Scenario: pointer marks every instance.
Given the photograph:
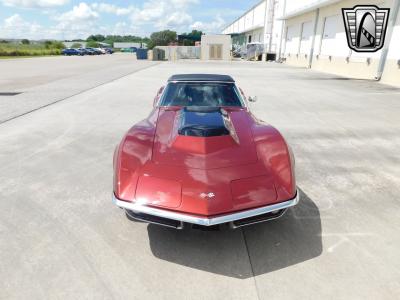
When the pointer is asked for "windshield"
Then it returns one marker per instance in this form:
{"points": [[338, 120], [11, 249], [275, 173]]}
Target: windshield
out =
{"points": [[201, 94]]}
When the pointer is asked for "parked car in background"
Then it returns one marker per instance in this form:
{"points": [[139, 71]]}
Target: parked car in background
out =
{"points": [[71, 51], [109, 50], [101, 50], [90, 51], [94, 51], [84, 51]]}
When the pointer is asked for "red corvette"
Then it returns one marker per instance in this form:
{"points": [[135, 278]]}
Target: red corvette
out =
{"points": [[202, 159]]}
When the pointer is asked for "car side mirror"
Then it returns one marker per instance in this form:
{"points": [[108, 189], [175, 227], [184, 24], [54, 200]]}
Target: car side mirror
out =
{"points": [[252, 99], [157, 97]]}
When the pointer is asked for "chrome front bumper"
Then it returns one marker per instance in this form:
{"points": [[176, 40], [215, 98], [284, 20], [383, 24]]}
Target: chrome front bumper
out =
{"points": [[204, 221]]}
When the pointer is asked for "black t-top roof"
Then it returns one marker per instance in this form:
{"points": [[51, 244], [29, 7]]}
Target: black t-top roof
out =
{"points": [[201, 77]]}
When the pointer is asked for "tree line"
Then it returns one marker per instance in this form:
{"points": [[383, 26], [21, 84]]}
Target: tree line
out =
{"points": [[159, 38]]}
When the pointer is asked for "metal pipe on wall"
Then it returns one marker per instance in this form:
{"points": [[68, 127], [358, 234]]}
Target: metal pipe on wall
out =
{"points": [[389, 33], [282, 31], [310, 59]]}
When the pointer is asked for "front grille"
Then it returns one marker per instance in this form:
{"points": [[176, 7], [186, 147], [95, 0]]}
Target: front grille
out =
{"points": [[206, 228], [179, 224]]}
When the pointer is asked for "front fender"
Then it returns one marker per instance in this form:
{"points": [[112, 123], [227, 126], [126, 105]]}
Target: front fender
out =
{"points": [[134, 151], [275, 154]]}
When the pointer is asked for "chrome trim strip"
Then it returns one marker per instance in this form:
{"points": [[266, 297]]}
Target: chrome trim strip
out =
{"points": [[140, 208], [202, 81], [233, 226]]}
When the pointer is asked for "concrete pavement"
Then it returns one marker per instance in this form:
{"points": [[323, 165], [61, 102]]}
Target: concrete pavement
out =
{"points": [[61, 237], [46, 80]]}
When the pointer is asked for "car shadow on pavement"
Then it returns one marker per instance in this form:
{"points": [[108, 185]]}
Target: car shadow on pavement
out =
{"points": [[246, 252]]}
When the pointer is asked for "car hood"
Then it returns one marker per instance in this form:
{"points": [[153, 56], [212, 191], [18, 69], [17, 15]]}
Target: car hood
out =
{"points": [[235, 147]]}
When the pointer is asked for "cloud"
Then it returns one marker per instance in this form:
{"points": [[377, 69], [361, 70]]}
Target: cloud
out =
{"points": [[153, 14], [84, 19], [79, 13], [79, 22], [175, 19], [123, 28], [17, 23], [212, 27], [16, 27], [183, 3], [112, 9], [35, 3], [164, 14], [13, 21]]}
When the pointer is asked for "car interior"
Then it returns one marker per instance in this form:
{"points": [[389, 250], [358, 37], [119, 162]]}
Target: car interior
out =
{"points": [[201, 94]]}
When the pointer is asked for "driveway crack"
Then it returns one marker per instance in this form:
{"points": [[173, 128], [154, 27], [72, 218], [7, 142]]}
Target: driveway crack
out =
{"points": [[251, 264]]}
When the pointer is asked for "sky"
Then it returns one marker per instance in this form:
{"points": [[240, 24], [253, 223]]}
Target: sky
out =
{"points": [[69, 19]]}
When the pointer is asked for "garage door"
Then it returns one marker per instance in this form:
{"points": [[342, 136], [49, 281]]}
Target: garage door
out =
{"points": [[306, 37], [329, 35], [292, 39]]}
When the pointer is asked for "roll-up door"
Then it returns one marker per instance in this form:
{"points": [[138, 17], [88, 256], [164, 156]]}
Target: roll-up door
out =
{"points": [[306, 38]]}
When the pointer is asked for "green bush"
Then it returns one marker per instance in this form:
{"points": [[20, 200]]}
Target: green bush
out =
{"points": [[54, 45], [47, 48]]}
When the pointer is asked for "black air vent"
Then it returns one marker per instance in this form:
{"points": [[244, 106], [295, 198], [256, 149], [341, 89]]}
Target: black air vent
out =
{"points": [[202, 122]]}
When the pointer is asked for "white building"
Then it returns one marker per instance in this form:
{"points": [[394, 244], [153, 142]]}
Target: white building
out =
{"points": [[127, 45], [216, 47], [315, 37], [259, 25], [312, 35], [391, 71], [70, 44]]}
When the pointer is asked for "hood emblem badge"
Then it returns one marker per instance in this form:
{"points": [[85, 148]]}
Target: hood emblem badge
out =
{"points": [[207, 195]]}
